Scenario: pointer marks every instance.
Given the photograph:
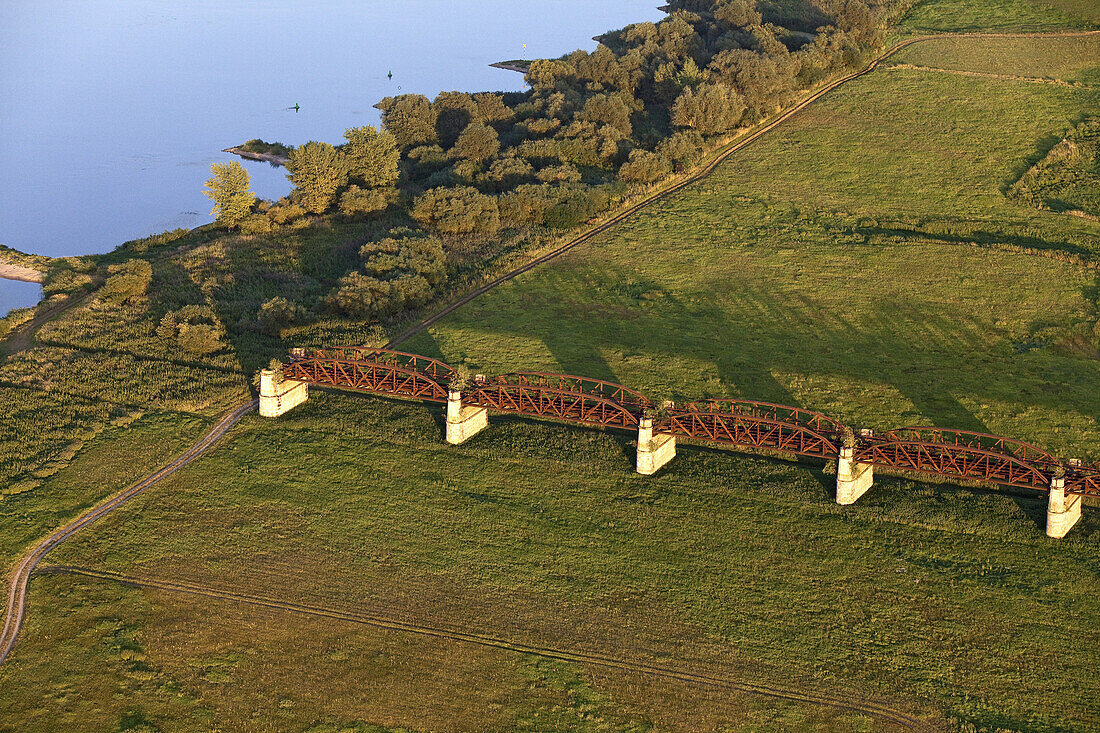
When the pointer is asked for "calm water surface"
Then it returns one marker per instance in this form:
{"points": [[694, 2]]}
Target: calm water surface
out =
{"points": [[112, 111]]}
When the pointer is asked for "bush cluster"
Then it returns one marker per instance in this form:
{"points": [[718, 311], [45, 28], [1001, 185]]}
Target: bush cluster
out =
{"points": [[401, 271]]}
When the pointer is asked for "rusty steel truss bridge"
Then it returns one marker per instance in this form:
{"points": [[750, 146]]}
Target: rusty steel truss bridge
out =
{"points": [[746, 424]]}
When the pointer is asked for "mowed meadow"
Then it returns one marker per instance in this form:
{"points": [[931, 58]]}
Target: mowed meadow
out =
{"points": [[862, 259]]}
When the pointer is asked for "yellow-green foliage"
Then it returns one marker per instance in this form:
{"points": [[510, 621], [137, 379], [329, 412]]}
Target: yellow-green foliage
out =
{"points": [[128, 282], [318, 171], [229, 189], [372, 156]]}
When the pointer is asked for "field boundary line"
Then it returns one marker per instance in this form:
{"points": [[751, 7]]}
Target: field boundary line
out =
{"points": [[873, 709], [17, 592], [991, 75], [705, 171]]}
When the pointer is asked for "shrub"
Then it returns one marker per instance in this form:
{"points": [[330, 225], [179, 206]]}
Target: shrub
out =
{"points": [[285, 213], [359, 295], [128, 282], [506, 173], [712, 109], [644, 167], [525, 206], [276, 313], [256, 224], [564, 173], [155, 240], [405, 251], [366, 200], [685, 146], [458, 211], [576, 208], [477, 143], [195, 329], [200, 339]]}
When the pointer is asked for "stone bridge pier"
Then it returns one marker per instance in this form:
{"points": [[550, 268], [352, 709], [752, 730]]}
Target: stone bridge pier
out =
{"points": [[853, 479], [278, 395], [654, 450], [463, 423], [1062, 511]]}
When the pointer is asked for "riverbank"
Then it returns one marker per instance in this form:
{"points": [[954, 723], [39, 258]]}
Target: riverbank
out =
{"points": [[23, 274], [272, 158]]}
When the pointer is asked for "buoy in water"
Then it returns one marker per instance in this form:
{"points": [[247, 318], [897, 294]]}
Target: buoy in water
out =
{"points": [[390, 75]]}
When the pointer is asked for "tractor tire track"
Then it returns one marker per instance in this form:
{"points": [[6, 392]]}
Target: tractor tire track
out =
{"points": [[704, 171], [17, 593], [876, 710]]}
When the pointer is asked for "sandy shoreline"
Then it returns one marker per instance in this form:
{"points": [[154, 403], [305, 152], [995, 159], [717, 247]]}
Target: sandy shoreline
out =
{"points": [[18, 272]]}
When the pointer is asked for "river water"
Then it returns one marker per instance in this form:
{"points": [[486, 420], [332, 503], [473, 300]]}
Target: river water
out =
{"points": [[112, 111]]}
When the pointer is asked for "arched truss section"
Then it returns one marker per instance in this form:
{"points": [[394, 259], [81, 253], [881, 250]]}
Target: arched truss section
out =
{"points": [[378, 373], [617, 393], [557, 396], [815, 421], [952, 461], [1083, 480], [981, 441], [425, 365], [747, 430]]}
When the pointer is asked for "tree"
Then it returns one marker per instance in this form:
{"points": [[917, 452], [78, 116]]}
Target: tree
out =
{"points": [[318, 170], [128, 282], [453, 112], [477, 143], [229, 189], [372, 156], [410, 118], [462, 210], [712, 109]]}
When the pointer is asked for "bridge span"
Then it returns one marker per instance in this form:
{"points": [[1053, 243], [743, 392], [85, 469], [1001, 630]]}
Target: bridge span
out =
{"points": [[955, 455]]}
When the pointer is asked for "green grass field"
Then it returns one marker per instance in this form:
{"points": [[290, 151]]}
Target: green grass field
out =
{"points": [[935, 599]]}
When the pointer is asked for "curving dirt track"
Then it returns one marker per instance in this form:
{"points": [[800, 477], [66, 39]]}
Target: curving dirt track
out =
{"points": [[872, 709], [705, 171], [17, 595]]}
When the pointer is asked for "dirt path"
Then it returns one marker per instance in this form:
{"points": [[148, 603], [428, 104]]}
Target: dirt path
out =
{"points": [[17, 591], [876, 710], [21, 338], [705, 171]]}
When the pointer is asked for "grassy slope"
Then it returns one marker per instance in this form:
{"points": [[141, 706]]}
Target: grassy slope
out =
{"points": [[804, 272], [735, 565]]}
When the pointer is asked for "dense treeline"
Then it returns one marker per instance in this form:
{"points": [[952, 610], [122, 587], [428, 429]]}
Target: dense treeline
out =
{"points": [[462, 171]]}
